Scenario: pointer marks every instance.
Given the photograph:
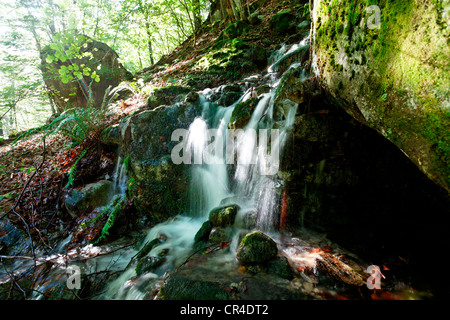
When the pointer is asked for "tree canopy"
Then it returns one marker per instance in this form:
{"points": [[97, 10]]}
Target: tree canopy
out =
{"points": [[140, 31]]}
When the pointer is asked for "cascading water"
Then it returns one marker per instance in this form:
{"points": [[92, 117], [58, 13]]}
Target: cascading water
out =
{"points": [[214, 181]]}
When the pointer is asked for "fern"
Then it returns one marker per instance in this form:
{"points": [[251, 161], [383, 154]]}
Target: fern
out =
{"points": [[73, 169], [112, 210]]}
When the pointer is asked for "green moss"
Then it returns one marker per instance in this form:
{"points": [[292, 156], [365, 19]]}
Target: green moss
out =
{"points": [[242, 112]]}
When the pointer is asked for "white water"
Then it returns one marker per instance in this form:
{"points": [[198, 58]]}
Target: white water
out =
{"points": [[241, 183]]}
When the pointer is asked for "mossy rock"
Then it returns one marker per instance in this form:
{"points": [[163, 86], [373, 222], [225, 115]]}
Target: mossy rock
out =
{"points": [[223, 216], [256, 247], [282, 23], [234, 30], [394, 77], [280, 266], [110, 136], [183, 288], [149, 264], [242, 113], [167, 96], [93, 195], [148, 247], [220, 234], [203, 233]]}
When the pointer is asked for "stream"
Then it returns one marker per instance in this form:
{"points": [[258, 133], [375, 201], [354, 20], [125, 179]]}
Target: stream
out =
{"points": [[258, 196]]}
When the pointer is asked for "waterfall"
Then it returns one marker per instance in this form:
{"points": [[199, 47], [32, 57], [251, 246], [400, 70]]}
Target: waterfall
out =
{"points": [[215, 180], [119, 177]]}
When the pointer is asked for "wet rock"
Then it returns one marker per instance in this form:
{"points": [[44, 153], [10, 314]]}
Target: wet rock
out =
{"points": [[299, 55], [148, 264], [168, 96], [219, 234], [93, 195], [231, 88], [282, 23], [280, 266], [262, 89], [234, 30], [258, 56], [159, 186], [148, 247], [111, 136], [256, 247], [227, 99], [223, 216], [203, 233], [242, 113], [250, 218], [191, 97], [182, 288], [12, 240]]}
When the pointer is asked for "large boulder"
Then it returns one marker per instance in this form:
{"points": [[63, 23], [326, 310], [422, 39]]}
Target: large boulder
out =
{"points": [[158, 187], [95, 55], [256, 247], [391, 76], [93, 195], [223, 216]]}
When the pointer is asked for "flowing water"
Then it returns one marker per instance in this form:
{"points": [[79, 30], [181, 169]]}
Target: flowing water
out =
{"points": [[217, 182], [250, 181]]}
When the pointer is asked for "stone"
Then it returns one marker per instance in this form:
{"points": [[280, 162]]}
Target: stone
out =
{"points": [[148, 247], [234, 30], [227, 99], [364, 72], [93, 195], [280, 266], [168, 96], [258, 56], [159, 188], [148, 264], [282, 23], [192, 97], [203, 233], [223, 216], [242, 113], [110, 136], [256, 247], [178, 287], [219, 234]]}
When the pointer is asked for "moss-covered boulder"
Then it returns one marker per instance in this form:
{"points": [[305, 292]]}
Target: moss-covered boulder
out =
{"points": [[92, 55], [148, 264], [393, 75], [234, 30], [280, 266], [178, 287], [283, 22], [157, 186], [110, 136], [219, 234], [242, 113], [256, 247], [93, 195], [168, 96], [202, 234], [223, 216]]}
